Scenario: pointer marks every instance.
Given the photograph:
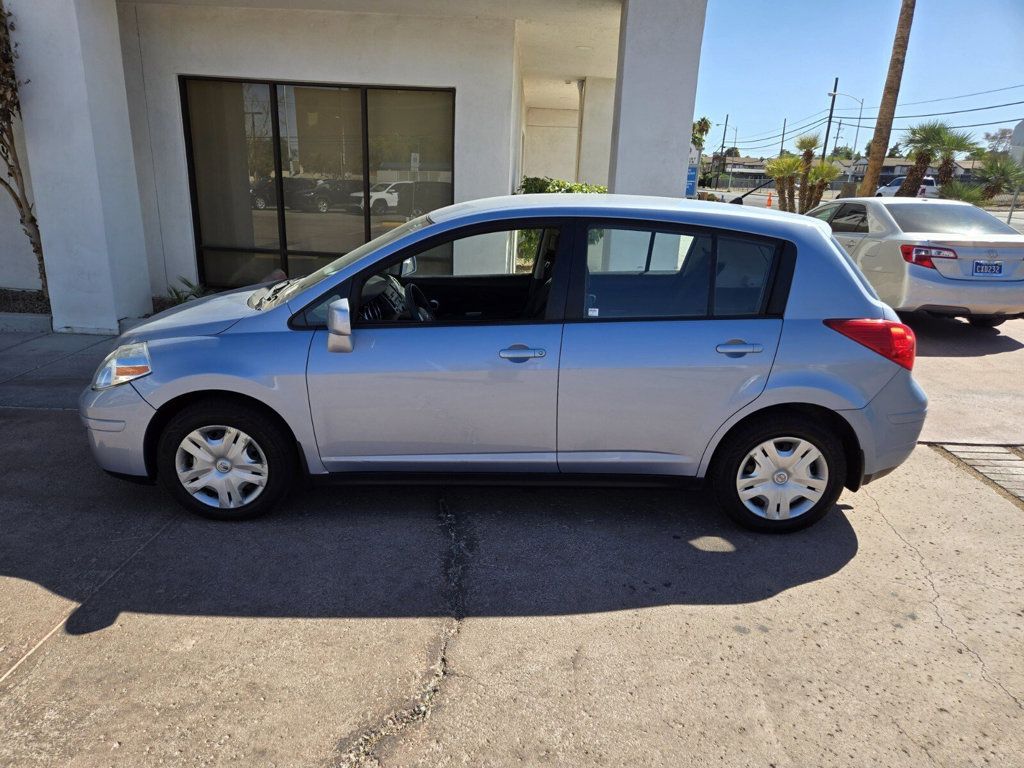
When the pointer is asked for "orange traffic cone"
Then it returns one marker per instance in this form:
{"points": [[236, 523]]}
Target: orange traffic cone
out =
{"points": [[769, 203]]}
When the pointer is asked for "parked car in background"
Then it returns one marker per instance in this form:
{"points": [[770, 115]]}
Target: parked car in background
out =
{"points": [[651, 338], [383, 196], [420, 197], [927, 188], [939, 256], [263, 193], [888, 190], [327, 194]]}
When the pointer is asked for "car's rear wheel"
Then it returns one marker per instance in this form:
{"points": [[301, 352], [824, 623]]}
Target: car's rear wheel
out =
{"points": [[779, 473], [981, 321], [323, 205], [225, 460], [260, 203]]}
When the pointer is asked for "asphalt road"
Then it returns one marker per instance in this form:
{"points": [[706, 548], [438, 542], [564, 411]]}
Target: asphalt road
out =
{"points": [[404, 626]]}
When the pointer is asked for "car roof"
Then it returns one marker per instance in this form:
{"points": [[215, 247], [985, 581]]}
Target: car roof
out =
{"points": [[628, 206], [900, 200]]}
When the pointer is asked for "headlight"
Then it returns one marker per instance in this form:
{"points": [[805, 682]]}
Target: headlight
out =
{"points": [[124, 364]]}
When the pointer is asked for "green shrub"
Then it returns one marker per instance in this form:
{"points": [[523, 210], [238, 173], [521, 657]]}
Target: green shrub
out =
{"points": [[534, 184]]}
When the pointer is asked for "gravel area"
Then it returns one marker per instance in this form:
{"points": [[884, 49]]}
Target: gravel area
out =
{"points": [[24, 301]]}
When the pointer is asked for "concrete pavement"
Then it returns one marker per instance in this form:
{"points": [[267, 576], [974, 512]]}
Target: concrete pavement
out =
{"points": [[468, 626]]}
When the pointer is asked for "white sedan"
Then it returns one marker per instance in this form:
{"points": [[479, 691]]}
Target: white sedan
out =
{"points": [[939, 256]]}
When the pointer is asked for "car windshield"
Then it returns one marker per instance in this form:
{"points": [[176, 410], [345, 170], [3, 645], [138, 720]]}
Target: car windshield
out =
{"points": [[299, 285], [947, 219], [379, 187]]}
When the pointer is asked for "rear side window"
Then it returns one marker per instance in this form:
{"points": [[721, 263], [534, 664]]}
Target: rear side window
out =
{"points": [[743, 268], [636, 274], [851, 218]]}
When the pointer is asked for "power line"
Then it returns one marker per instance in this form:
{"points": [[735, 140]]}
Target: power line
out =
{"points": [[789, 131], [944, 98]]}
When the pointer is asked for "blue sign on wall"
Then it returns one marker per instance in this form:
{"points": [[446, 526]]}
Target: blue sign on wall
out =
{"points": [[691, 181]]}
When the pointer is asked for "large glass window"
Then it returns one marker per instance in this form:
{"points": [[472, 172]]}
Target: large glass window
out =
{"points": [[290, 176]]}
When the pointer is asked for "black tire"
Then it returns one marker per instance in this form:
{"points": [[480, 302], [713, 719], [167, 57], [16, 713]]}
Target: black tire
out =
{"points": [[746, 438], [323, 205], [260, 203], [378, 207], [272, 440], [981, 321]]}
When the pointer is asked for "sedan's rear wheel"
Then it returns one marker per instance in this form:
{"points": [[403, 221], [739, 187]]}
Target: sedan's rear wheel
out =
{"points": [[224, 460], [983, 321], [779, 473]]}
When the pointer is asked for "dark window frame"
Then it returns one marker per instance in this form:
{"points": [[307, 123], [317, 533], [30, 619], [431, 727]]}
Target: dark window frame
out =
{"points": [[852, 206], [283, 251], [773, 302]]}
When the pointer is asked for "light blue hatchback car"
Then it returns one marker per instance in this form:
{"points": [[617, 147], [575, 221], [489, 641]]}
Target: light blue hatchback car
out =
{"points": [[551, 337]]}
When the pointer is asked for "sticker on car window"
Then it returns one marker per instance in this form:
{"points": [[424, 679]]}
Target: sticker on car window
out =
{"points": [[593, 312]]}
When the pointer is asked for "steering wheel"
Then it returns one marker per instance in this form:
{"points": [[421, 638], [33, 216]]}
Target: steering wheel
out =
{"points": [[416, 304]]}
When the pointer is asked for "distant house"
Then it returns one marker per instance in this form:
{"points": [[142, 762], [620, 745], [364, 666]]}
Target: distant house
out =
{"points": [[891, 168]]}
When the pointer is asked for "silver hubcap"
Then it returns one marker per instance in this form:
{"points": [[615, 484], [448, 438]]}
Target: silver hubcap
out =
{"points": [[221, 466], [782, 478]]}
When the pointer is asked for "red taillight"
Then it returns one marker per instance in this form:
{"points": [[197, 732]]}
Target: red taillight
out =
{"points": [[923, 255], [894, 341]]}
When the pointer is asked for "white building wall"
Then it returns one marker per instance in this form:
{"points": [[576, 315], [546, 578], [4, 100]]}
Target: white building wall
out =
{"points": [[551, 143], [596, 114], [17, 262], [476, 57]]}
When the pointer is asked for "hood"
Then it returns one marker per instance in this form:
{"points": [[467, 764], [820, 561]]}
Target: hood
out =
{"points": [[200, 317]]}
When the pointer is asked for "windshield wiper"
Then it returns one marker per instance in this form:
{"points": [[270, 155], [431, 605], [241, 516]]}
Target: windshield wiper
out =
{"points": [[272, 292]]}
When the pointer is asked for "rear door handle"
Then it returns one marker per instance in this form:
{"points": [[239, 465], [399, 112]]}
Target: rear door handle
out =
{"points": [[738, 348], [520, 353]]}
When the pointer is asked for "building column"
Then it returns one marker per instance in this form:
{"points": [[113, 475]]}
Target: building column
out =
{"points": [[597, 110], [659, 56], [79, 146]]}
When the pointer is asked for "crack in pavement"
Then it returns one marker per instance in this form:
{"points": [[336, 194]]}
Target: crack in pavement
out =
{"points": [[360, 749], [934, 602]]}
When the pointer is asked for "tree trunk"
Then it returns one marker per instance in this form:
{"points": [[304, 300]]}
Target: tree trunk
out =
{"points": [[791, 194], [805, 191], [945, 170], [883, 123], [915, 175]]}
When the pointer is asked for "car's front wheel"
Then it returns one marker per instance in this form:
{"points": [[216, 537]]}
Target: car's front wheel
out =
{"points": [[224, 460], [779, 473]]}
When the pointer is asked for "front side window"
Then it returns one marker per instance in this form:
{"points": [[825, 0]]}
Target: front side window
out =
{"points": [[485, 277], [290, 177], [643, 274]]}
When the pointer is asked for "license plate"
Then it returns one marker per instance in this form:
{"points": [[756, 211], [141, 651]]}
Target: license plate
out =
{"points": [[988, 267]]}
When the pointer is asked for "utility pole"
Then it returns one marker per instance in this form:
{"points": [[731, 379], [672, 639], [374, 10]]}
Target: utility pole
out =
{"points": [[721, 153], [782, 144], [835, 146], [828, 126]]}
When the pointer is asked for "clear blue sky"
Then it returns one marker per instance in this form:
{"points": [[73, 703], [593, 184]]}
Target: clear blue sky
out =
{"points": [[765, 60]]}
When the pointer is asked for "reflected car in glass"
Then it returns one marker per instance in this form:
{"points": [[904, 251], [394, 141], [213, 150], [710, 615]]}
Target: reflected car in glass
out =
{"points": [[572, 338], [938, 256]]}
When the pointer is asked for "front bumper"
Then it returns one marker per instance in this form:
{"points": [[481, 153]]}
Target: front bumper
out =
{"points": [[116, 420], [927, 289]]}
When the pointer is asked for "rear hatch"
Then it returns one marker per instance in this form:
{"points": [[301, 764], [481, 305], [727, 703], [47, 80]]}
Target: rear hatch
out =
{"points": [[983, 258]]}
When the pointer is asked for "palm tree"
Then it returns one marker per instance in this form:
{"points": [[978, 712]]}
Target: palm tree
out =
{"points": [[821, 176], [883, 123], [808, 145], [784, 170], [954, 189], [1000, 173], [923, 142], [952, 143]]}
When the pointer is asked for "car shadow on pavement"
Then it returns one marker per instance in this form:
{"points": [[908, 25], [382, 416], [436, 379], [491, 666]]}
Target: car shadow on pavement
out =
{"points": [[949, 337], [398, 551]]}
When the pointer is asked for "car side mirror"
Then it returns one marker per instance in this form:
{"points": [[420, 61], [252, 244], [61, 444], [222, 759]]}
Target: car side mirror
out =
{"points": [[339, 326], [409, 266]]}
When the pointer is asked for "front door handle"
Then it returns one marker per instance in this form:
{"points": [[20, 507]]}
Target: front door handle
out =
{"points": [[738, 348], [520, 353]]}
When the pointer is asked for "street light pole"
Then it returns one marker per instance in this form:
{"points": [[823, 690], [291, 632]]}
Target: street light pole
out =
{"points": [[782, 144], [828, 126], [721, 153]]}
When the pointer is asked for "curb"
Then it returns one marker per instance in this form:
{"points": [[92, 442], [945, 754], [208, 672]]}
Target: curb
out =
{"points": [[25, 322]]}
